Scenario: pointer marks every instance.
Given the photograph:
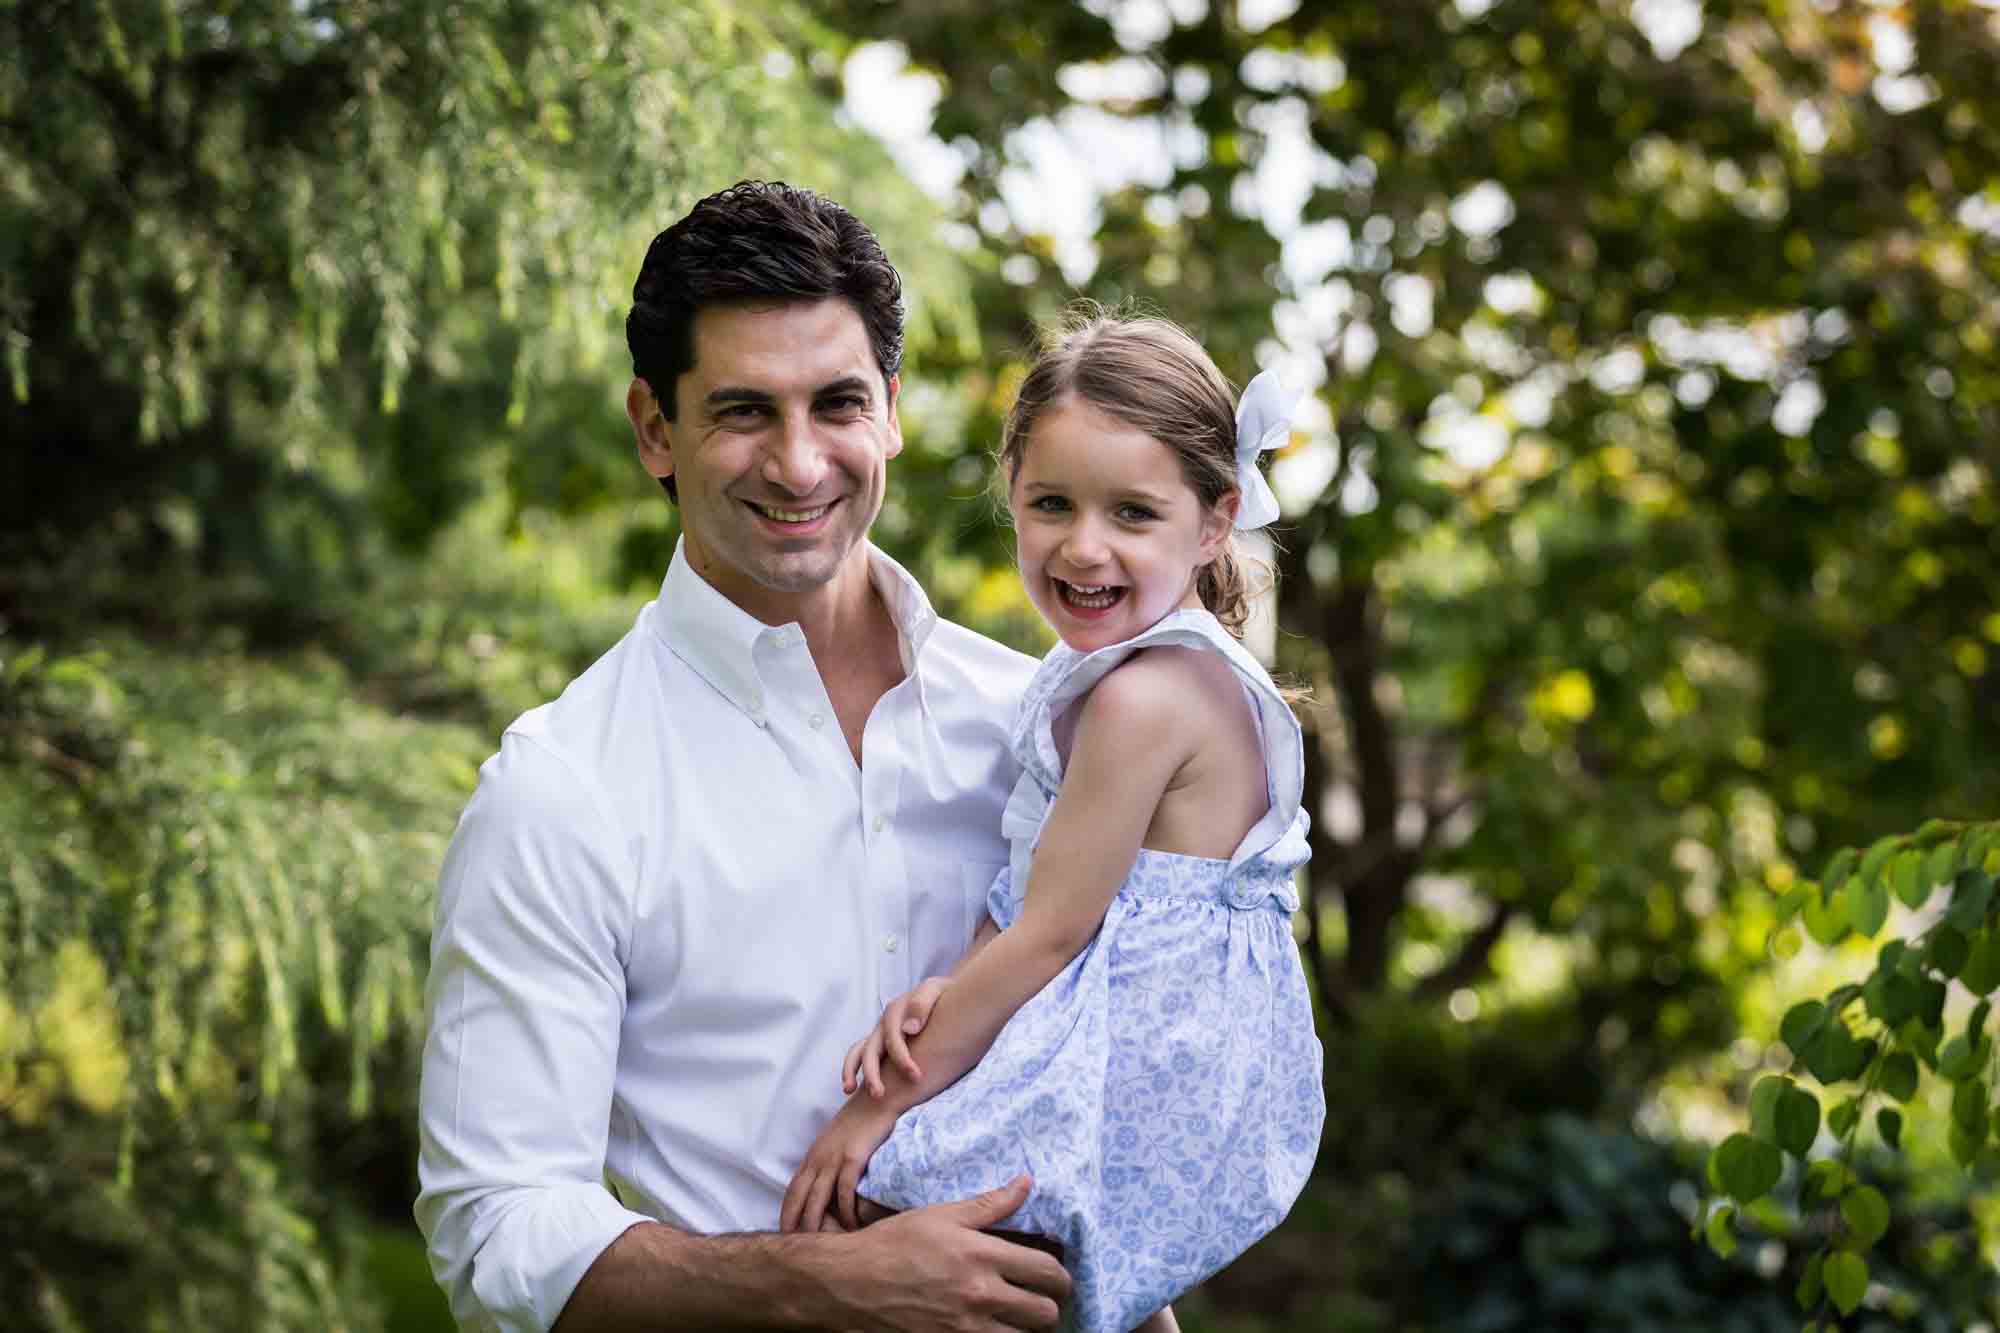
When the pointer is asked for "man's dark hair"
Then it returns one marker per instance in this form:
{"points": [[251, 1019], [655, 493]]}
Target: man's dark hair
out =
{"points": [[757, 241]]}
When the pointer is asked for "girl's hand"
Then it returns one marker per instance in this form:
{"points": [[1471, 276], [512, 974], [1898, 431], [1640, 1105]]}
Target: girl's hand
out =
{"points": [[824, 1185], [903, 1019]]}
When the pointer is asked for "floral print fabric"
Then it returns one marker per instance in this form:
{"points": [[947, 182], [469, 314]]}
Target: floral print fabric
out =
{"points": [[1164, 1089]]}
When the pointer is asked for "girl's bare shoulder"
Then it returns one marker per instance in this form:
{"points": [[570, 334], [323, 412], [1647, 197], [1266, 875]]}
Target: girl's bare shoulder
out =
{"points": [[1170, 687]]}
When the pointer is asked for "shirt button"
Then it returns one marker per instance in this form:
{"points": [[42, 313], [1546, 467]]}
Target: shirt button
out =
{"points": [[881, 822], [890, 944], [816, 721]]}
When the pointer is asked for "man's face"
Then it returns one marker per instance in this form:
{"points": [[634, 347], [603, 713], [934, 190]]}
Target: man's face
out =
{"points": [[778, 447]]}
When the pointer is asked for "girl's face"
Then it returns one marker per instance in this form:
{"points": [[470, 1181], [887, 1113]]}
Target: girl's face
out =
{"points": [[1110, 535]]}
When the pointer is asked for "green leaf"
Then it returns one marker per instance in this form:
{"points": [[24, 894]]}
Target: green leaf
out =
{"points": [[1981, 973], [1971, 894], [1826, 1178], [1899, 1075], [1906, 877], [1969, 1108], [1836, 1055], [1931, 1007], [1964, 1148], [1846, 1278], [1939, 865], [1801, 1024], [1792, 901], [1867, 905], [1975, 1022], [1889, 1122], [1844, 1117], [1977, 845], [1764, 1099], [1934, 831], [1958, 1058], [1810, 1282], [1797, 1120], [1747, 1168], [1921, 1039], [1866, 1213], [1721, 1235], [1877, 855], [1826, 917], [1892, 996], [1947, 949], [1838, 867]]}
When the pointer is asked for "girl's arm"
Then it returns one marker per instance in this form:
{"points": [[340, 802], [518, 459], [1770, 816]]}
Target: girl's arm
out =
{"points": [[904, 1017], [1134, 733]]}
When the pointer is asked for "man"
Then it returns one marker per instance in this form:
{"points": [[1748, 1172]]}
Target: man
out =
{"points": [[683, 887]]}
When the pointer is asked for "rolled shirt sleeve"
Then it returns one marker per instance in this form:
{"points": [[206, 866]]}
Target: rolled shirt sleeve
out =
{"points": [[526, 998]]}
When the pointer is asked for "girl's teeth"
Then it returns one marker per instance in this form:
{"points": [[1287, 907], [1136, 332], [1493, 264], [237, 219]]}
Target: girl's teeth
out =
{"points": [[1092, 598]]}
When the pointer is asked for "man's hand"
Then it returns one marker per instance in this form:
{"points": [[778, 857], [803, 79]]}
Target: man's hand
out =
{"points": [[825, 1181], [903, 1019], [933, 1270]]}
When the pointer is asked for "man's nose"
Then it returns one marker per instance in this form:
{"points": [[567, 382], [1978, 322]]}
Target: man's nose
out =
{"points": [[796, 459]]}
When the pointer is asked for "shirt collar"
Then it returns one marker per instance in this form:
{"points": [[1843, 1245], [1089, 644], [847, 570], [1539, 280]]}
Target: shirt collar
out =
{"points": [[719, 639]]}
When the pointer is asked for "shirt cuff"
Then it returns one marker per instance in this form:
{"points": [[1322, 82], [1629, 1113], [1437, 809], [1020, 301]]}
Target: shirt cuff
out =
{"points": [[523, 1275]]}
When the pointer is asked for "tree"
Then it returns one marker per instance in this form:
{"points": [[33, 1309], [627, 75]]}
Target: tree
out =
{"points": [[279, 282], [1658, 533]]}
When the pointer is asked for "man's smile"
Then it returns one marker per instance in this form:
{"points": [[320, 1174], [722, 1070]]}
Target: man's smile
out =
{"points": [[799, 516]]}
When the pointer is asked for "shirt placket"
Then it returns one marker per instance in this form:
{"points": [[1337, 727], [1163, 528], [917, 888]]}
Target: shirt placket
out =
{"points": [[885, 753]]}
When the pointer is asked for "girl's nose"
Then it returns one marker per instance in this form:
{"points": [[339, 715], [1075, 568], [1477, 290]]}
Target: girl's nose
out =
{"points": [[1084, 545]]}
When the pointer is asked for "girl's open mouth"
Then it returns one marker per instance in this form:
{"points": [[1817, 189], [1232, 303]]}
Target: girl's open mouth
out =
{"points": [[1088, 597]]}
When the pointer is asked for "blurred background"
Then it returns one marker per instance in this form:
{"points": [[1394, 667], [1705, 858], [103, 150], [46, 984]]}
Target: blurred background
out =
{"points": [[1641, 546]]}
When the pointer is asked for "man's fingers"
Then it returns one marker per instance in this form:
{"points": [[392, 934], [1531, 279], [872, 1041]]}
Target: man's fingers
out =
{"points": [[988, 1209], [1031, 1269]]}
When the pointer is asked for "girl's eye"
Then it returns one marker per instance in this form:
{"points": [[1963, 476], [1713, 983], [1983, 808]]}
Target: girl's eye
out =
{"points": [[1049, 504], [1135, 513]]}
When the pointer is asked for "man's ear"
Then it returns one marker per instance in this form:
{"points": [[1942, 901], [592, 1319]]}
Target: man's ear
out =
{"points": [[651, 430], [1217, 523], [895, 445]]}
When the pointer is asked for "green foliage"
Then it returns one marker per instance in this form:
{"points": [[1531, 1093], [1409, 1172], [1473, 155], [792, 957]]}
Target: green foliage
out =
{"points": [[285, 286], [214, 911], [1564, 1225], [1888, 1037], [1629, 664], [1569, 1226]]}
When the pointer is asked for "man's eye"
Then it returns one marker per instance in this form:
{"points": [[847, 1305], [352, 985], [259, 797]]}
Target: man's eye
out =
{"points": [[847, 403], [742, 411]]}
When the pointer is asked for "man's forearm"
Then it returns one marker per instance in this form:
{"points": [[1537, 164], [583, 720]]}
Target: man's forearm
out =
{"points": [[654, 1277]]}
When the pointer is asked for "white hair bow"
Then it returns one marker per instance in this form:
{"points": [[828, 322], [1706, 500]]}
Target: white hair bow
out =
{"points": [[1263, 421]]}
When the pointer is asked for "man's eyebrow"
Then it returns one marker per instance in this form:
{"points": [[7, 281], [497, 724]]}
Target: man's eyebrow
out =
{"points": [[736, 393], [845, 384]]}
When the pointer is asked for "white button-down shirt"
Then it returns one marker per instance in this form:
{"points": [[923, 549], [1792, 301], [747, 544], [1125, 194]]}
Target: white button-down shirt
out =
{"points": [[672, 902]]}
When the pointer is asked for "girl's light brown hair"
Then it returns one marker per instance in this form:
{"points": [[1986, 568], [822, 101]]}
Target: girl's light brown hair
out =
{"points": [[1152, 375]]}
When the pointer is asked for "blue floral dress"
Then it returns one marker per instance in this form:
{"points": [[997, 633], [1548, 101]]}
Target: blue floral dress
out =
{"points": [[1164, 1089]]}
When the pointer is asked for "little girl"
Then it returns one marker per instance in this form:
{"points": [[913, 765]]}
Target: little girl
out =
{"points": [[1131, 1026]]}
